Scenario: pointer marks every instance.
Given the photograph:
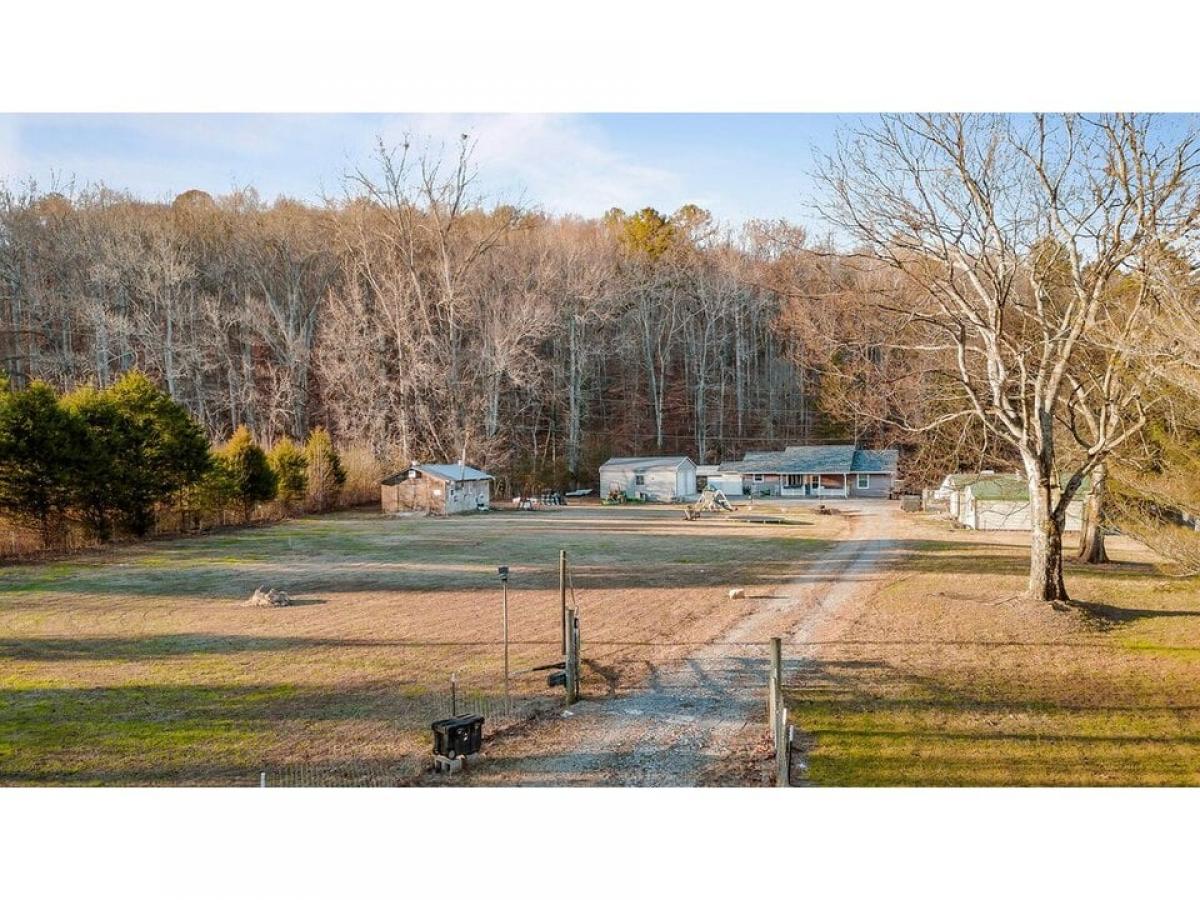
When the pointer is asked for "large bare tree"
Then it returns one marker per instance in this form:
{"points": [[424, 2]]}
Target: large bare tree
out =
{"points": [[1013, 231]]}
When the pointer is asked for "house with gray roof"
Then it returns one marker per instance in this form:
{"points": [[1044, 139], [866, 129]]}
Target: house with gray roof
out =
{"points": [[440, 489], [834, 470], [664, 478]]}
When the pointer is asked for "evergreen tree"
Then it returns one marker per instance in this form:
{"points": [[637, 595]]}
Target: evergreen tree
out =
{"points": [[326, 476], [160, 450], [98, 493], [213, 493], [41, 448], [250, 472], [290, 464]]}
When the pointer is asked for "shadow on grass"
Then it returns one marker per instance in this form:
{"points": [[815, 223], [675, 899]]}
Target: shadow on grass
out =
{"points": [[1106, 615]]}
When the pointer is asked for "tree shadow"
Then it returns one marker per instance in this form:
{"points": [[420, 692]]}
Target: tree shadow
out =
{"points": [[1105, 615]]}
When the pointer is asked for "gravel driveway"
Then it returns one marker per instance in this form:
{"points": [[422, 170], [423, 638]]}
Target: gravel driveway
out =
{"points": [[701, 720]]}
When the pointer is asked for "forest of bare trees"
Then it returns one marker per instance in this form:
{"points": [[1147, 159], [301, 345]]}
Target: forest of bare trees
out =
{"points": [[412, 319], [1013, 293]]}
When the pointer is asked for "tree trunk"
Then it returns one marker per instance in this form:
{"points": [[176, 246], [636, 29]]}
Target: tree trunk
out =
{"points": [[1091, 538], [1045, 551]]}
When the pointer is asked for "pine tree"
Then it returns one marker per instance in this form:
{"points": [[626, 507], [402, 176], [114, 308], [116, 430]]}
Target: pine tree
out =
{"points": [[41, 449], [160, 450], [97, 494], [251, 476], [290, 464], [326, 476]]}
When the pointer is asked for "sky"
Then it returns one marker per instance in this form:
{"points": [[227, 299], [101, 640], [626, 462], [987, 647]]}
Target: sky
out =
{"points": [[738, 166]]}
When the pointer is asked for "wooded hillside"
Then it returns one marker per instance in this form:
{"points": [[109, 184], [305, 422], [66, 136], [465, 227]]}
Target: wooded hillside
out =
{"points": [[410, 317]]}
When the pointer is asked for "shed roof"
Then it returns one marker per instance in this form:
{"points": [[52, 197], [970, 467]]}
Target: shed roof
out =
{"points": [[1012, 487], [442, 472], [998, 487], [962, 479], [646, 463]]}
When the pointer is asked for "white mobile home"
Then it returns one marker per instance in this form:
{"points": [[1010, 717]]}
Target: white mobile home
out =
{"points": [[649, 477]]}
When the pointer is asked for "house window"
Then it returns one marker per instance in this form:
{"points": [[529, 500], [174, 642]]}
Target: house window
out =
{"points": [[758, 477], [639, 479], [864, 481]]}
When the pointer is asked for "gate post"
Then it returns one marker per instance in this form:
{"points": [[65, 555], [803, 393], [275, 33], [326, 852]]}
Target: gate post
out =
{"points": [[775, 682], [782, 749], [572, 661]]}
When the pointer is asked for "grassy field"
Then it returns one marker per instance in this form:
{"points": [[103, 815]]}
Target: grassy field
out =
{"points": [[946, 677], [141, 666]]}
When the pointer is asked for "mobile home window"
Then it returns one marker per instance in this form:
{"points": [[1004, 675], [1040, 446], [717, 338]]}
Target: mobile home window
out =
{"points": [[758, 478], [639, 479], [864, 481]]}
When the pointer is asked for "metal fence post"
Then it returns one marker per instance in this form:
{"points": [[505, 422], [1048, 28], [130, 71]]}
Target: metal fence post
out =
{"points": [[775, 682], [772, 694], [782, 749], [504, 603], [562, 595], [572, 660]]}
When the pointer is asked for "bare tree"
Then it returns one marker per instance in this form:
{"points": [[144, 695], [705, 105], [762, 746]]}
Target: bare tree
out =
{"points": [[1013, 231]]}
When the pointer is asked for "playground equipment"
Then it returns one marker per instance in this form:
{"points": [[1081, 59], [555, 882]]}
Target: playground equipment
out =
{"points": [[711, 501]]}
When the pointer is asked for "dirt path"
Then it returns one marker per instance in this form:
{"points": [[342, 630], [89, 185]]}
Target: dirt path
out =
{"points": [[700, 720]]}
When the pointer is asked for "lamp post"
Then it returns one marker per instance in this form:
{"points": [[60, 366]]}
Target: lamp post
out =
{"points": [[502, 571]]}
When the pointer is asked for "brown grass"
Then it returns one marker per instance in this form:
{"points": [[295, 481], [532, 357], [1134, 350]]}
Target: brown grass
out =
{"points": [[947, 676], [140, 666]]}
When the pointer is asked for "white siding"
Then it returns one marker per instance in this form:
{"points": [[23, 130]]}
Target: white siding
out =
{"points": [[685, 481], [665, 482], [730, 484], [466, 496], [1011, 515]]}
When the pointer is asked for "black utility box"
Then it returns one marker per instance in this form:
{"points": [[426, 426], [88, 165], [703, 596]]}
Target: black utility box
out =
{"points": [[458, 736]]}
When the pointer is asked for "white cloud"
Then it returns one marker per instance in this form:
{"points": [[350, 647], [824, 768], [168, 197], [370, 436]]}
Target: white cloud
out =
{"points": [[559, 162]]}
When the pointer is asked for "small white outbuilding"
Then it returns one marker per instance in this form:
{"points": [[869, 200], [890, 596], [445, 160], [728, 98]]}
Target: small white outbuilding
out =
{"points": [[1001, 503], [649, 477]]}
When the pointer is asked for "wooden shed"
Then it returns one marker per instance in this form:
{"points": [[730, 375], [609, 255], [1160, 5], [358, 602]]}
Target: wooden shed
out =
{"points": [[442, 489]]}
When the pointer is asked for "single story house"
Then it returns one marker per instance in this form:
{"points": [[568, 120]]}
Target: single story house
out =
{"points": [[440, 489], [835, 470], [1001, 503], [649, 477]]}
